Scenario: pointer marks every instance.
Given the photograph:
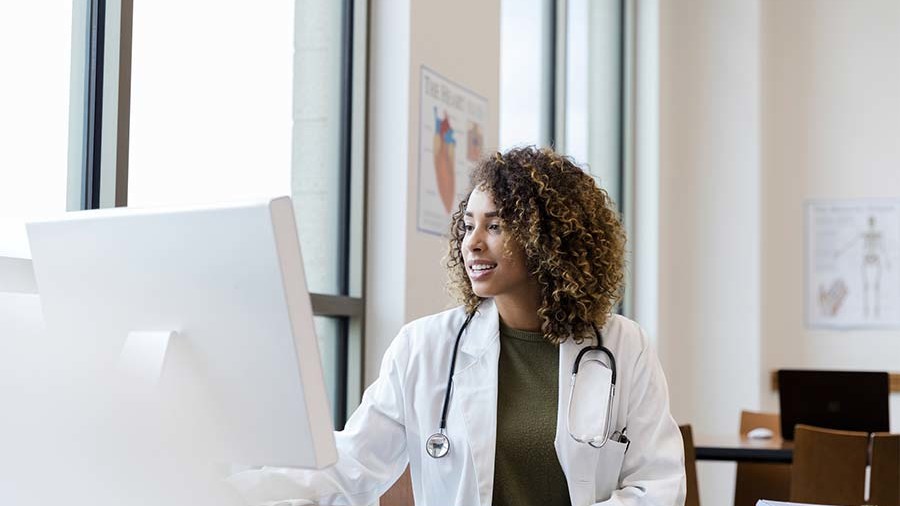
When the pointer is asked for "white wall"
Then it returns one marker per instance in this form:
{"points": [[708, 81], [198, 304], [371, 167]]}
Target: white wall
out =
{"points": [[831, 112], [388, 141], [460, 40], [709, 218], [709, 209], [763, 104]]}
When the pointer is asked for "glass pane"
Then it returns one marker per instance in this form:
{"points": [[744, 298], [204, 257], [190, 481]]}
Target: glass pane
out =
{"points": [[327, 330], [211, 101], [593, 89], [35, 48], [354, 364], [525, 74], [250, 109], [316, 169], [221, 118]]}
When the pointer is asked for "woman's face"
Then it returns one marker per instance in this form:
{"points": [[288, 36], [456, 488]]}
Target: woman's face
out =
{"points": [[495, 262]]}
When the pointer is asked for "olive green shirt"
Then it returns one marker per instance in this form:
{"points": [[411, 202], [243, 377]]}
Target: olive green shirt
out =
{"points": [[526, 468]]}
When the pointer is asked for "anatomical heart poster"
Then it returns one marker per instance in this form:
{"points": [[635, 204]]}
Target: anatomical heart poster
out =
{"points": [[853, 264], [451, 140]]}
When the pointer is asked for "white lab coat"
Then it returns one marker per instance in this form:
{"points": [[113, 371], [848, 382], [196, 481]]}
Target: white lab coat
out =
{"points": [[402, 408]]}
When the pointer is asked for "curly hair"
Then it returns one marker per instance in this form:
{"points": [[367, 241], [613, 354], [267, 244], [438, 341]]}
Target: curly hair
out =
{"points": [[569, 228]]}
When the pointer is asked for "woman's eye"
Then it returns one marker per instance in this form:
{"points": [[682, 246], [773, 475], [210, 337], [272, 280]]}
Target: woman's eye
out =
{"points": [[494, 227], [467, 227]]}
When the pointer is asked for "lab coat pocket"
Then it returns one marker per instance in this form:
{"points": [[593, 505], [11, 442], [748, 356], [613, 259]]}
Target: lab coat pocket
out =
{"points": [[609, 466]]}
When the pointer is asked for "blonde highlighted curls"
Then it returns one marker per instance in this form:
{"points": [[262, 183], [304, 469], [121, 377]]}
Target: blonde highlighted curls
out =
{"points": [[573, 239]]}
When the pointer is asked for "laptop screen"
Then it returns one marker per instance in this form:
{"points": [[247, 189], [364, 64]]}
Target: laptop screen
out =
{"points": [[845, 400]]}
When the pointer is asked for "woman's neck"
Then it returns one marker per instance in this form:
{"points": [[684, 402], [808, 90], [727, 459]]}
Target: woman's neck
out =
{"points": [[519, 313]]}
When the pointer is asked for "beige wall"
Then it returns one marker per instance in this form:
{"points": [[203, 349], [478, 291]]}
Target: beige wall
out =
{"points": [[461, 41]]}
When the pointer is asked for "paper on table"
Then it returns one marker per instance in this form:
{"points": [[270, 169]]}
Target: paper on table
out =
{"points": [[766, 502]]}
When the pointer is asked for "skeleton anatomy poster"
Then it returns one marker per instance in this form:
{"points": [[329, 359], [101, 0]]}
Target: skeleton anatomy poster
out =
{"points": [[451, 140], [853, 264]]}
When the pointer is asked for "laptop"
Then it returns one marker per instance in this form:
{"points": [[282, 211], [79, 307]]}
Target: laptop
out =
{"points": [[845, 400]]}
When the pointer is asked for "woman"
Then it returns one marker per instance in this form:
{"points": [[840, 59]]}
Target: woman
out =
{"points": [[537, 259]]}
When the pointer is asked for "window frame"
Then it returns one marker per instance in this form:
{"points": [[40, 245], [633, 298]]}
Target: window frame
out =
{"points": [[98, 161]]}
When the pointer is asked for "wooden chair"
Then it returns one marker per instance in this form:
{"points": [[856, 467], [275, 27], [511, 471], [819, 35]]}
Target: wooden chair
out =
{"points": [[400, 493], [829, 466], [884, 489], [755, 481], [690, 466]]}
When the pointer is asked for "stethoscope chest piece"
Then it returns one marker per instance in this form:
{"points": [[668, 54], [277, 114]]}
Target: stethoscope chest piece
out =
{"points": [[437, 445]]}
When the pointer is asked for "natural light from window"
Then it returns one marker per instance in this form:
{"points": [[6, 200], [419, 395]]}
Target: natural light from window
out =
{"points": [[35, 46], [211, 102]]}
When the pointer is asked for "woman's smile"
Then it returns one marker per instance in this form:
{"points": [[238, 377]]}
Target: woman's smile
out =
{"points": [[480, 269]]}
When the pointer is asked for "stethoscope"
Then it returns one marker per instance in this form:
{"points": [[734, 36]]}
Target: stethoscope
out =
{"points": [[438, 444]]}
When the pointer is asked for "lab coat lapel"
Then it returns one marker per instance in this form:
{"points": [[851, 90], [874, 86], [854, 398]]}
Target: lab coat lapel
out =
{"points": [[578, 460], [475, 393]]}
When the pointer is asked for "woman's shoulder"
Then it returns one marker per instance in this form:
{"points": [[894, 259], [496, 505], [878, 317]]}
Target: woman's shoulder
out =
{"points": [[437, 324], [441, 329], [426, 343], [625, 334]]}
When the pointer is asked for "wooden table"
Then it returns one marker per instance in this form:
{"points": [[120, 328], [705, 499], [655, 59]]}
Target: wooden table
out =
{"points": [[735, 448]]}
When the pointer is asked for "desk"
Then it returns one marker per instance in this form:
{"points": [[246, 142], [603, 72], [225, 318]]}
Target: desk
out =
{"points": [[740, 449]]}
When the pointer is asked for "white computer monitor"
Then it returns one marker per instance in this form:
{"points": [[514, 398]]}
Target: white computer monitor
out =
{"points": [[184, 342]]}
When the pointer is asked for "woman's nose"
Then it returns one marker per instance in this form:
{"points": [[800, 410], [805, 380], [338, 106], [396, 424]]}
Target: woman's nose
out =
{"points": [[475, 241]]}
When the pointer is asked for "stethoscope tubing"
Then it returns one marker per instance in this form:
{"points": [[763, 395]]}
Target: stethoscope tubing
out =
{"points": [[438, 444], [600, 348], [596, 442], [465, 324]]}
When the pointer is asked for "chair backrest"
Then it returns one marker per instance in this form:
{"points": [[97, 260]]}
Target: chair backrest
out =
{"points": [[884, 489], [829, 466], [755, 481], [690, 466], [754, 420]]}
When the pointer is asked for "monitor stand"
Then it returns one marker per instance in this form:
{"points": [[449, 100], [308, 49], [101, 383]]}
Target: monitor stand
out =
{"points": [[144, 354]]}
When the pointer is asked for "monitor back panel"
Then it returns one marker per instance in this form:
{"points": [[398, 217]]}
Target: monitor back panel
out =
{"points": [[845, 400], [229, 280]]}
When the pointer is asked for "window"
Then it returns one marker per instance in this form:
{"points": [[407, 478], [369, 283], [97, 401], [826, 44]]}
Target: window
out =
{"points": [[564, 82], [594, 82], [226, 103], [35, 47], [527, 51], [211, 99]]}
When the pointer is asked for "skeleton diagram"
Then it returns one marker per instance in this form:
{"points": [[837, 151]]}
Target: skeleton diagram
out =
{"points": [[874, 258]]}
